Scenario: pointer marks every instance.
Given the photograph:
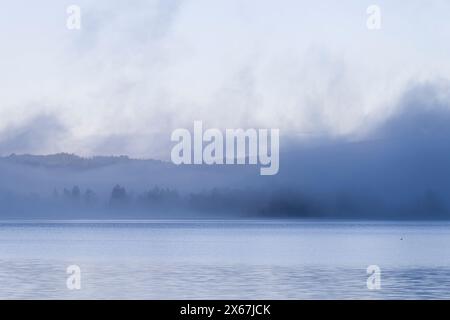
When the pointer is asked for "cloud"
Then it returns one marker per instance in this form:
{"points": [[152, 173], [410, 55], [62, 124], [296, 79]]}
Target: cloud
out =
{"points": [[422, 112], [400, 169], [41, 134]]}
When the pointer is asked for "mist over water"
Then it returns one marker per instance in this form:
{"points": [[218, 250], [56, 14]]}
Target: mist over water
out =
{"points": [[356, 98], [397, 170]]}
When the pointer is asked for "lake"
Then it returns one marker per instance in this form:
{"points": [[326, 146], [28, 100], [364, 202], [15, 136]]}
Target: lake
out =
{"points": [[224, 259]]}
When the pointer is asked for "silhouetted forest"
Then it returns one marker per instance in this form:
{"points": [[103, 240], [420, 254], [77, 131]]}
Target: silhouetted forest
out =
{"points": [[160, 202]]}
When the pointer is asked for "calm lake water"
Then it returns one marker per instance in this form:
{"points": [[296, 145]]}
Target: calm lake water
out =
{"points": [[225, 259]]}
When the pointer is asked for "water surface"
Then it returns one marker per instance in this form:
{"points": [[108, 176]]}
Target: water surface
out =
{"points": [[224, 259]]}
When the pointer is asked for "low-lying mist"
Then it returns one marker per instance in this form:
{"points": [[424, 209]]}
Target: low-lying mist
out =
{"points": [[399, 170]]}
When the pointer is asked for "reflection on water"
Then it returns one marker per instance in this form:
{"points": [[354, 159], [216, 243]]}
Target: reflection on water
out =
{"points": [[35, 279], [225, 260]]}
